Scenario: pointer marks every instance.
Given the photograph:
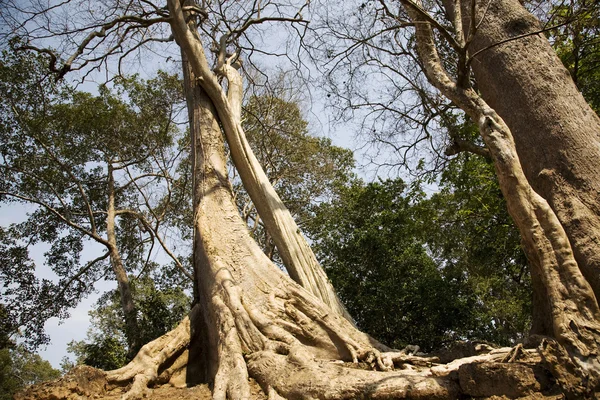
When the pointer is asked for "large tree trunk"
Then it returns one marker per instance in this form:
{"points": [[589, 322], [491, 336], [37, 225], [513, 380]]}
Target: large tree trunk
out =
{"points": [[556, 133], [294, 250], [573, 310], [257, 321], [248, 304]]}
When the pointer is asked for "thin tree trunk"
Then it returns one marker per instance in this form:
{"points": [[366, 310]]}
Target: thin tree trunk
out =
{"points": [[116, 263]]}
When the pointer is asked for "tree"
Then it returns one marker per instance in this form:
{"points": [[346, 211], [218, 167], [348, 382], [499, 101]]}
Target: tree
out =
{"points": [[370, 243], [563, 179], [85, 164], [384, 244], [500, 51], [256, 321], [20, 368]]}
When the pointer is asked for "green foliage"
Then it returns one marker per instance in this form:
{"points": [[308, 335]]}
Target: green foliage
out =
{"points": [[303, 169], [20, 368], [467, 228], [160, 309], [57, 146], [368, 241], [106, 353], [576, 43]]}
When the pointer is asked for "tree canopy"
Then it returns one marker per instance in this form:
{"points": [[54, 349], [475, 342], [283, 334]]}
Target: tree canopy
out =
{"points": [[428, 79], [61, 153]]}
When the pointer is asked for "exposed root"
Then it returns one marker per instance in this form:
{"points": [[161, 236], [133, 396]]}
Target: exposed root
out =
{"points": [[231, 378], [294, 377], [399, 359], [514, 354], [576, 383], [307, 313], [143, 370]]}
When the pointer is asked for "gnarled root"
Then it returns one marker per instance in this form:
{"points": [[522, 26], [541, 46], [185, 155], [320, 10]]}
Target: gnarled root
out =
{"points": [[574, 381], [231, 378], [143, 370], [287, 342], [297, 376]]}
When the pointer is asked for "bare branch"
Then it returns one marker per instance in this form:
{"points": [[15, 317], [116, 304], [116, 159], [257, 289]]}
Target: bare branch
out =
{"points": [[82, 271], [59, 215], [155, 233]]}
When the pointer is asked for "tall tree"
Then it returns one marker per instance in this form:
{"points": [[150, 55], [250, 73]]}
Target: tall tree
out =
{"points": [[20, 368], [84, 163], [520, 117], [256, 321], [493, 61]]}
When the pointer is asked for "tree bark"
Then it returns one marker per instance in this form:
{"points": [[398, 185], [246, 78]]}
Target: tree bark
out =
{"points": [[198, 369], [295, 252], [557, 134], [116, 263], [573, 309]]}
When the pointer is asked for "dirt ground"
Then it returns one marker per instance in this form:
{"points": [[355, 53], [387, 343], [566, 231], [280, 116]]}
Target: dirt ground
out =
{"points": [[89, 383]]}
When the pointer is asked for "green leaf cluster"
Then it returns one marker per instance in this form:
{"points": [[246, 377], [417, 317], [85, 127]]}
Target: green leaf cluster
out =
{"points": [[467, 228], [160, 308], [369, 243], [20, 368]]}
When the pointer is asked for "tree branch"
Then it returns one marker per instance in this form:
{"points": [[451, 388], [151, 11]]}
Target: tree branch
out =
{"points": [[79, 273], [59, 215], [518, 37], [154, 233], [459, 145]]}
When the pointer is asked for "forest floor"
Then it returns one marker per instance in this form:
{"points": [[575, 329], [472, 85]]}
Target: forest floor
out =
{"points": [[89, 383], [479, 377]]}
